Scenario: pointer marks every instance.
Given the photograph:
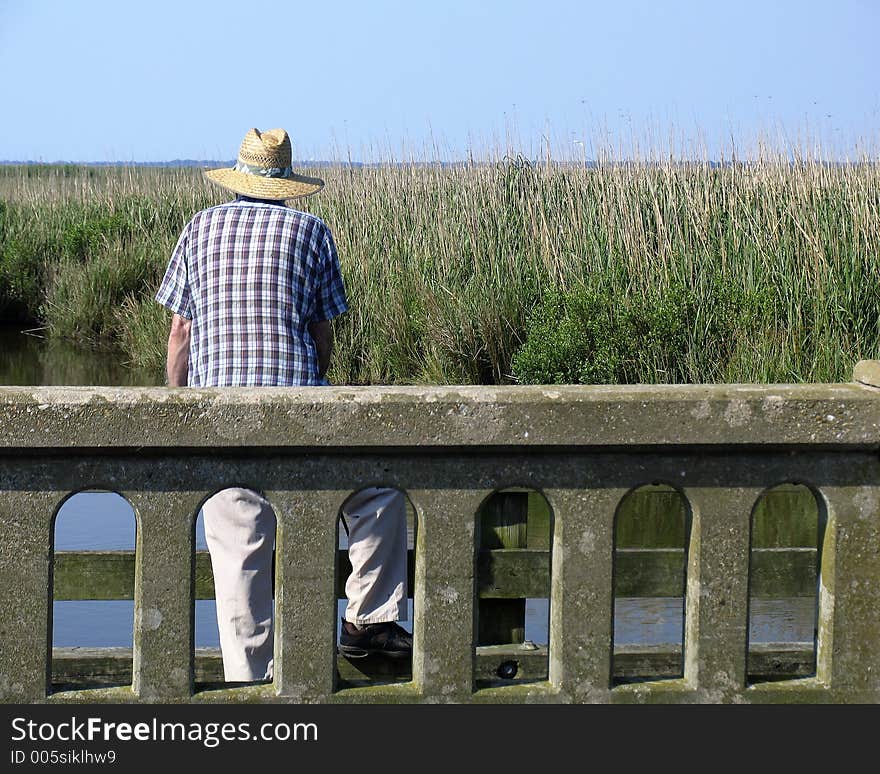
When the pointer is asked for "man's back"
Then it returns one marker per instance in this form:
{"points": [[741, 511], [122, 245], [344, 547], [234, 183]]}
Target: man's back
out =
{"points": [[253, 286], [252, 276]]}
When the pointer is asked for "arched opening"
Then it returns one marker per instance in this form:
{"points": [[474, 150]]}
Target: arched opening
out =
{"points": [[376, 532], [93, 561], [787, 532], [652, 528], [513, 588], [234, 601]]}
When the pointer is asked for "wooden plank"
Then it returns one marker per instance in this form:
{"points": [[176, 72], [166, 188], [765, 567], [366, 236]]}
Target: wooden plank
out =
{"points": [[783, 572], [539, 529], [651, 516], [655, 517], [786, 515], [503, 525], [93, 575], [504, 521], [649, 572], [80, 667], [522, 573], [204, 575], [772, 660]]}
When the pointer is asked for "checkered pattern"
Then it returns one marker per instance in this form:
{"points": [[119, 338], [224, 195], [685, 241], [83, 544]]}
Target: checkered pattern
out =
{"points": [[251, 276]]}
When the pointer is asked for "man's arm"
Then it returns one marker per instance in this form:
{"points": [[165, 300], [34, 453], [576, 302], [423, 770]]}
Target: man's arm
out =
{"points": [[322, 333], [178, 351]]}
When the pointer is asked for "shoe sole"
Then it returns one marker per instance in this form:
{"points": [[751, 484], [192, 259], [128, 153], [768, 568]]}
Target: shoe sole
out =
{"points": [[352, 652]]}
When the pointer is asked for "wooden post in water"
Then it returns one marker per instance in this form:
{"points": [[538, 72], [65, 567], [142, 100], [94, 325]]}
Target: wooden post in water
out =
{"points": [[503, 524]]}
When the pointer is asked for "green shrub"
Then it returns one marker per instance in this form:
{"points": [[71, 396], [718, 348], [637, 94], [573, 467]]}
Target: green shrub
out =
{"points": [[600, 333], [80, 240], [22, 277]]}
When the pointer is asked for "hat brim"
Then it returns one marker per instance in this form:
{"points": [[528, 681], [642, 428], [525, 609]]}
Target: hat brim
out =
{"points": [[293, 187]]}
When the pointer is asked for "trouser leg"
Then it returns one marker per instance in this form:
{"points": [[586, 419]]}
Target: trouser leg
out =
{"points": [[240, 532], [376, 589]]}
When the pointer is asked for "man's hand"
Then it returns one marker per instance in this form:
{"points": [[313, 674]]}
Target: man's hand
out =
{"points": [[178, 351], [322, 333]]}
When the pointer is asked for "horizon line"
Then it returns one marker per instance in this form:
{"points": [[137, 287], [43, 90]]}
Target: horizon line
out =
{"points": [[517, 158]]}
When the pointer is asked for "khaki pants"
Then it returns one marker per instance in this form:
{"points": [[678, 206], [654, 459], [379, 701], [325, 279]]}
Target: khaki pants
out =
{"points": [[240, 532]]}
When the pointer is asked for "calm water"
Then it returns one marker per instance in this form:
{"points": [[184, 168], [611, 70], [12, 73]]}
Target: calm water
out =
{"points": [[26, 358], [104, 521]]}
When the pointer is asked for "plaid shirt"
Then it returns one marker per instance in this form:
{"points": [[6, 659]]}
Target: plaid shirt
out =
{"points": [[251, 276]]}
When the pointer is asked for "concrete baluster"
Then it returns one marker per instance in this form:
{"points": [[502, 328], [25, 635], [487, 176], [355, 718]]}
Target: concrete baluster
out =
{"points": [[163, 594], [716, 614], [581, 591], [444, 594], [305, 592], [848, 659], [25, 586]]}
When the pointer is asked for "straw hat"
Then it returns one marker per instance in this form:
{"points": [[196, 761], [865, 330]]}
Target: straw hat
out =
{"points": [[263, 169]]}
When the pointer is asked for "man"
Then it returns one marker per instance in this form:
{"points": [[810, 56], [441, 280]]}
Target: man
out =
{"points": [[253, 286]]}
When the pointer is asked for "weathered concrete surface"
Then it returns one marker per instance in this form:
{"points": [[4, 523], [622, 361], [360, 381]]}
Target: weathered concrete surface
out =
{"points": [[41, 417], [585, 448]]}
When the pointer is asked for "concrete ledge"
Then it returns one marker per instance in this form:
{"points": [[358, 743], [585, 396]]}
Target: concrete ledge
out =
{"points": [[521, 416]]}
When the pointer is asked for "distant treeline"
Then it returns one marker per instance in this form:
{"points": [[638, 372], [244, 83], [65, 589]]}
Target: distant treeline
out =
{"points": [[499, 272]]}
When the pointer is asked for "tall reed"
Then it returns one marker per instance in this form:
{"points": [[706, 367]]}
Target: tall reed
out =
{"points": [[449, 267]]}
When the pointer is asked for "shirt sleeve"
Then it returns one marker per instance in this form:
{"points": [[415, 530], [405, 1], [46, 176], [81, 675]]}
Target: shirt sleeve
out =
{"points": [[174, 291], [331, 300]]}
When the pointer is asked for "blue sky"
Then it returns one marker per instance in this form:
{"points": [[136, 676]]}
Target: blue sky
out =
{"points": [[158, 80]]}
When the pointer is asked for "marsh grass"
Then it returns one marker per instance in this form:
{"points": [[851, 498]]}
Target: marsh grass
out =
{"points": [[764, 270]]}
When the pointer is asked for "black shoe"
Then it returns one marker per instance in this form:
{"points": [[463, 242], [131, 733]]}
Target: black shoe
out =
{"points": [[382, 639]]}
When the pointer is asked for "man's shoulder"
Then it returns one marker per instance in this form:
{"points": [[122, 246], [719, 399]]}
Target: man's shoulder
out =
{"points": [[287, 213], [206, 214], [307, 218], [314, 230], [218, 210]]}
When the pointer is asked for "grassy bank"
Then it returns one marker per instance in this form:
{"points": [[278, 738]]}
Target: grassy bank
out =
{"points": [[500, 271]]}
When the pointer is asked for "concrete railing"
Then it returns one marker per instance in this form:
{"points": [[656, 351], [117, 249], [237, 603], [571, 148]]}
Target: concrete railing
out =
{"points": [[450, 448]]}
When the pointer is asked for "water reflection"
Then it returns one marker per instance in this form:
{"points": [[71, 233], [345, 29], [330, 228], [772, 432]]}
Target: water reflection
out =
{"points": [[787, 619], [28, 359], [658, 620]]}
